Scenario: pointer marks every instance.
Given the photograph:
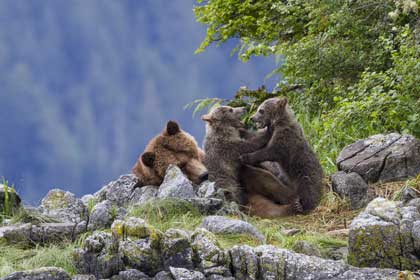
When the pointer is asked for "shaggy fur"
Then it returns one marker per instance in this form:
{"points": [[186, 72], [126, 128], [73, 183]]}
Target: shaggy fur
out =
{"points": [[172, 146], [288, 146], [223, 145]]}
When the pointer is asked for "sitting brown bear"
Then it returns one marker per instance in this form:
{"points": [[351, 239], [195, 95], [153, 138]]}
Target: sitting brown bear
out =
{"points": [[172, 146]]}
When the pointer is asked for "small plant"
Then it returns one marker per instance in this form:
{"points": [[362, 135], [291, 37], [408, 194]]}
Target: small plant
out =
{"points": [[8, 206], [91, 203]]}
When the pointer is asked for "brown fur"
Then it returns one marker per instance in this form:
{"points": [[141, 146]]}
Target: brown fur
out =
{"points": [[172, 146], [289, 148], [223, 146]]}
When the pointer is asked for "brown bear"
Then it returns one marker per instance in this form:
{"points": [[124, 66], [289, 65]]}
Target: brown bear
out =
{"points": [[288, 147], [172, 146], [254, 187]]}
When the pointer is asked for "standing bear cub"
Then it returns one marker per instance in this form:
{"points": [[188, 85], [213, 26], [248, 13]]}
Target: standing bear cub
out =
{"points": [[287, 146], [172, 146]]}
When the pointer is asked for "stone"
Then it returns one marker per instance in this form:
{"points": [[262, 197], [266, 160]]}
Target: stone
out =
{"points": [[344, 232], [88, 199], [163, 275], [207, 206], [43, 273], [176, 185], [13, 197], [385, 158], [384, 235], [350, 186], [83, 277], [410, 193], [290, 231], [103, 214], [208, 189], [221, 224], [64, 206], [176, 249], [118, 192], [130, 274], [244, 262], [304, 247], [185, 274], [142, 195]]}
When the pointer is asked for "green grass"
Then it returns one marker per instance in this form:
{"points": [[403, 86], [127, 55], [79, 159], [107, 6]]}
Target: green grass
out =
{"points": [[33, 217], [15, 258], [8, 208]]}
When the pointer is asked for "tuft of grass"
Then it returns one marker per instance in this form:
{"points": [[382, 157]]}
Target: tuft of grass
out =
{"points": [[15, 258], [8, 208], [168, 213], [33, 217]]}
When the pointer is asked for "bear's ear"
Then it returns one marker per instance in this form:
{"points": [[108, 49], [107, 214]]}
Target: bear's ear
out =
{"points": [[172, 128], [282, 102], [207, 118], [148, 159]]}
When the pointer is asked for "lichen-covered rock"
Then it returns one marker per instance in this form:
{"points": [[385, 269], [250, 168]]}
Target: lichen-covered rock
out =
{"points": [[99, 256], [221, 224], [352, 187], [207, 206], [304, 247], [130, 274], [64, 206], [15, 234], [118, 192], [43, 273], [163, 275], [142, 195], [88, 199], [176, 184], [176, 249], [207, 254], [103, 214], [383, 236], [385, 158], [83, 277], [208, 189], [244, 262], [185, 274], [13, 198]]}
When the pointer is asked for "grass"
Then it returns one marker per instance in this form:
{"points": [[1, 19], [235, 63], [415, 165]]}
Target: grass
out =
{"points": [[33, 217], [8, 208], [15, 258]]}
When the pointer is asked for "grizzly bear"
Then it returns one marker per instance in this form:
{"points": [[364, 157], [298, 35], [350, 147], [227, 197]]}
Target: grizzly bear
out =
{"points": [[288, 147], [172, 146], [261, 191]]}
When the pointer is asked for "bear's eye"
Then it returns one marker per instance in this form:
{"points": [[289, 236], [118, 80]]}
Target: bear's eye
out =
{"points": [[261, 111], [231, 110]]}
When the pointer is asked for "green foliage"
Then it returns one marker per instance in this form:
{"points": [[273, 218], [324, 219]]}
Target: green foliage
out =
{"points": [[33, 217], [356, 63], [8, 205]]}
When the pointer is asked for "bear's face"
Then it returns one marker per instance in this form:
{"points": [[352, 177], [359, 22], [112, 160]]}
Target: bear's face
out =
{"points": [[225, 116], [144, 170], [271, 109]]}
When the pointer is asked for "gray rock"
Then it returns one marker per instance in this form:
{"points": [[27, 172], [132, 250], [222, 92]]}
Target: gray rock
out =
{"points": [[219, 277], [143, 195], [409, 193], [384, 236], [304, 247], [12, 196], [220, 224], [352, 187], [83, 277], [87, 199], [64, 206], [176, 249], [207, 206], [44, 273], [244, 262], [99, 256], [130, 274], [385, 158], [103, 214], [15, 234], [291, 231], [208, 189], [185, 274], [176, 185], [163, 275], [118, 192]]}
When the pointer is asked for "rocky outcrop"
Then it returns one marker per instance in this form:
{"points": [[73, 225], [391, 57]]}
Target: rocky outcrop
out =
{"points": [[44, 273], [390, 157], [387, 235]]}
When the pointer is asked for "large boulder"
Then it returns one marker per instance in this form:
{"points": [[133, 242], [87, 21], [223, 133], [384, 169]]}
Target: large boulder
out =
{"points": [[64, 206], [142, 195], [43, 273], [118, 192], [385, 235], [176, 185], [221, 224], [351, 186], [13, 200], [104, 213], [382, 157]]}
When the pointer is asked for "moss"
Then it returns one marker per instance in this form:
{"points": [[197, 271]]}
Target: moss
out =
{"points": [[56, 200]]}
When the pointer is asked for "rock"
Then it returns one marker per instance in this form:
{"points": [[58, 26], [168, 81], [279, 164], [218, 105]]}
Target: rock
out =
{"points": [[344, 232], [244, 262], [385, 158], [163, 275], [176, 249], [44, 273], [351, 186], [336, 254], [290, 232], [135, 228], [185, 274], [220, 224], [83, 277], [103, 214], [207, 206], [304, 247], [12, 197], [88, 199], [176, 185], [64, 206], [384, 236], [208, 189], [130, 274], [208, 255], [410, 193], [141, 254], [99, 256], [143, 195], [118, 192]]}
